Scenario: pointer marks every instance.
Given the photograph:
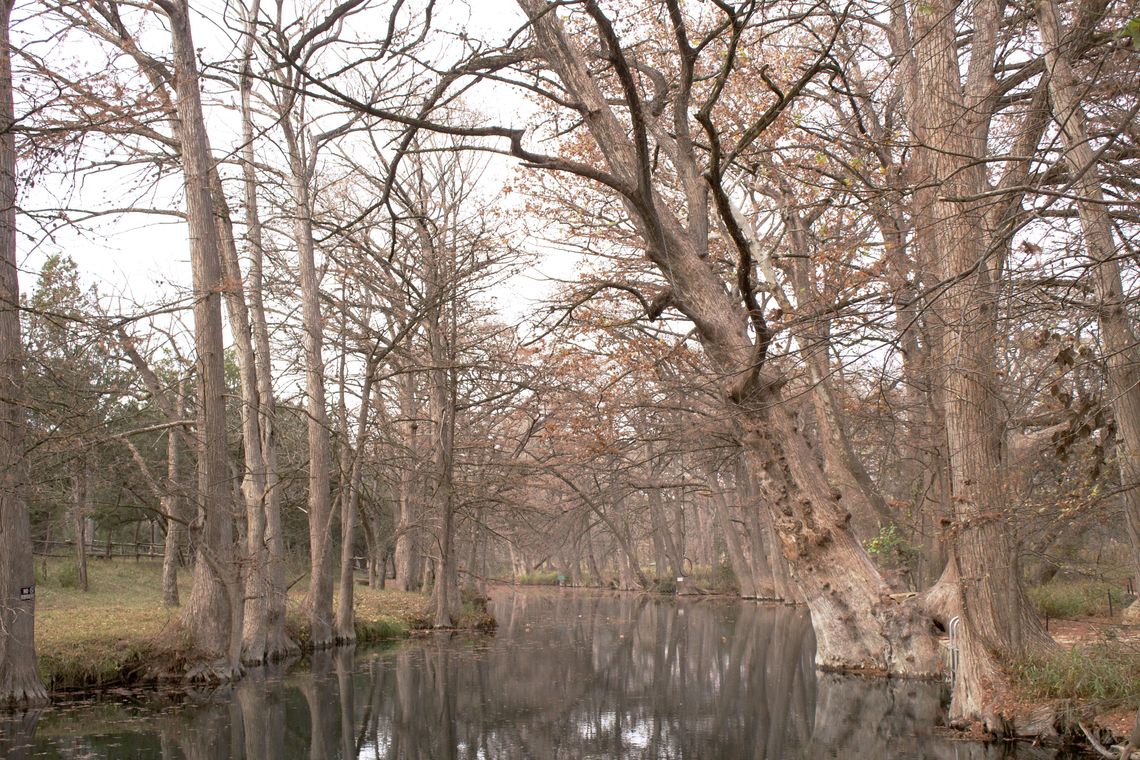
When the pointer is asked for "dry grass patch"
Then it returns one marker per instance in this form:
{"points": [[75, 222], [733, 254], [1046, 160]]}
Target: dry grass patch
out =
{"points": [[101, 646], [119, 632]]}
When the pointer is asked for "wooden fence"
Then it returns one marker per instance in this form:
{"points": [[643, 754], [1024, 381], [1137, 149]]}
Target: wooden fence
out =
{"points": [[95, 549]]}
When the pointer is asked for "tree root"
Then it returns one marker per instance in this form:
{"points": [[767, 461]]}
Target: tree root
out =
{"points": [[216, 672], [1117, 752]]}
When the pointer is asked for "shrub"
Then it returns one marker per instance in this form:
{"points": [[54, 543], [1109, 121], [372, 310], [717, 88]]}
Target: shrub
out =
{"points": [[539, 578], [1107, 672], [890, 549], [380, 629], [68, 576], [474, 615], [1072, 599], [719, 578]]}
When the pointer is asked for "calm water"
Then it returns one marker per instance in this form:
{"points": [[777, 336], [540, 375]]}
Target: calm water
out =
{"points": [[568, 675]]}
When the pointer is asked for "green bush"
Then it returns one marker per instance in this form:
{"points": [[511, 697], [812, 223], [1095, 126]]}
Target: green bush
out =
{"points": [[68, 576], [476, 617], [539, 578], [1073, 599], [890, 549], [1107, 672], [665, 586]]}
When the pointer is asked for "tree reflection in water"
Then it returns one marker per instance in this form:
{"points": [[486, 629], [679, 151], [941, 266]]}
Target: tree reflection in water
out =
{"points": [[568, 675]]}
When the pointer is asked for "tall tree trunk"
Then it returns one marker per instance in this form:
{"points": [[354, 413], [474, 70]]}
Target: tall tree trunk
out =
{"points": [[350, 508], [999, 624], [171, 505], [1122, 355], [318, 601], [264, 636], [441, 329], [208, 613], [407, 519], [859, 626], [19, 682]]}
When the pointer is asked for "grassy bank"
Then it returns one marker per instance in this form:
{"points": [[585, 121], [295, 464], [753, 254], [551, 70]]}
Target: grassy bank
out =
{"points": [[1098, 674], [118, 632], [1094, 677]]}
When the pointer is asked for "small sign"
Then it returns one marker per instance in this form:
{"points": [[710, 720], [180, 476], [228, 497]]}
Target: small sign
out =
{"points": [[27, 593]]}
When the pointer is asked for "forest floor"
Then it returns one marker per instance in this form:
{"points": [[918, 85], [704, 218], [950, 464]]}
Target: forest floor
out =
{"points": [[116, 633]]}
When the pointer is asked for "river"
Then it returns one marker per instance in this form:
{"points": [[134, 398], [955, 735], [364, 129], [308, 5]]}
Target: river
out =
{"points": [[569, 674]]}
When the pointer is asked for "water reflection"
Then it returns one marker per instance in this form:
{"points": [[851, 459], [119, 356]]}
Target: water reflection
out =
{"points": [[569, 675]]}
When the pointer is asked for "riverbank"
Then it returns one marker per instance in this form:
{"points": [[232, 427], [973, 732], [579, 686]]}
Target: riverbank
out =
{"points": [[1091, 683], [118, 633]]}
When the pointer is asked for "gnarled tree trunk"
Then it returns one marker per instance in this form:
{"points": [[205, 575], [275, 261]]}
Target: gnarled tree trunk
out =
{"points": [[859, 626]]}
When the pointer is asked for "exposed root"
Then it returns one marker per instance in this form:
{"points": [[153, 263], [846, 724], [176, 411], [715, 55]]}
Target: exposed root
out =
{"points": [[1117, 752], [215, 672], [25, 696]]}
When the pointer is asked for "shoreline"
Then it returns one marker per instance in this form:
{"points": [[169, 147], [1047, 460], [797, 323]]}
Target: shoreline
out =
{"points": [[105, 639], [90, 649]]}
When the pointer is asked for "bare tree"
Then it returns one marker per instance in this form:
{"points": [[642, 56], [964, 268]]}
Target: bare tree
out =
{"points": [[858, 625], [213, 614]]}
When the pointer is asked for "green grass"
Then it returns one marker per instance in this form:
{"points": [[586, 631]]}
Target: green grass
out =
{"points": [[109, 634], [118, 631], [1074, 599], [1106, 673]]}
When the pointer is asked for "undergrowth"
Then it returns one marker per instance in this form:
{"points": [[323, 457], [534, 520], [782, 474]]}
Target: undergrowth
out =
{"points": [[1105, 673], [1074, 599], [539, 578]]}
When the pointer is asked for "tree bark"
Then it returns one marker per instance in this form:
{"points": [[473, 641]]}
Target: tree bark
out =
{"points": [[999, 624], [20, 684], [171, 505], [442, 334], [264, 637], [208, 616], [406, 520], [318, 601], [350, 508]]}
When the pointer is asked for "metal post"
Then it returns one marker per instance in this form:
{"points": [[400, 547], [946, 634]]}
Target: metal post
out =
{"points": [[955, 632]]}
